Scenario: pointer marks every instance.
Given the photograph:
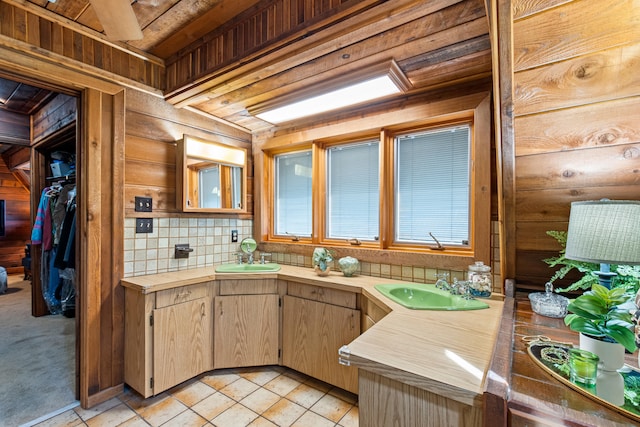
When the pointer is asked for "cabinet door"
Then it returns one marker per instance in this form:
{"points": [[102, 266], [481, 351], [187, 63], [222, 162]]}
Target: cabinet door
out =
{"points": [[246, 330], [182, 342], [312, 334]]}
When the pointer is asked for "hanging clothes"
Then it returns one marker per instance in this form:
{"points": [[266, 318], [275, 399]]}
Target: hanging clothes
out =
{"points": [[43, 207], [66, 242], [55, 222]]}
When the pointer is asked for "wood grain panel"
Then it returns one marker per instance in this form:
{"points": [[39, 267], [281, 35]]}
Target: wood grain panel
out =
{"points": [[138, 342], [605, 166], [150, 150], [535, 272], [533, 235], [553, 205], [141, 173], [163, 199], [246, 330], [181, 353], [572, 30], [432, 33], [194, 63], [15, 128], [592, 125], [181, 294], [59, 113], [524, 8], [312, 334], [23, 22], [585, 80], [248, 287], [385, 402], [472, 66], [326, 295]]}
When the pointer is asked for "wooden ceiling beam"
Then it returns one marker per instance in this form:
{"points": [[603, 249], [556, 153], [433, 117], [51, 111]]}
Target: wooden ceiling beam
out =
{"points": [[232, 106], [288, 54]]}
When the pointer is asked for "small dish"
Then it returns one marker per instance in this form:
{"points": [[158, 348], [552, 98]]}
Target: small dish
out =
{"points": [[549, 304]]}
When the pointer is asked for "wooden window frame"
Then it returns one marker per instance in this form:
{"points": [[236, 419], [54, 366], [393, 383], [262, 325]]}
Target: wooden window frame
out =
{"points": [[386, 250]]}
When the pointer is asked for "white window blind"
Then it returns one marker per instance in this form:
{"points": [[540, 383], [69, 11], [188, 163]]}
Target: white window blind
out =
{"points": [[432, 186], [293, 194], [353, 197]]}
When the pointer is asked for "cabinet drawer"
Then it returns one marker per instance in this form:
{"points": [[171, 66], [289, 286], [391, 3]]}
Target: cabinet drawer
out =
{"points": [[248, 287], [327, 295], [181, 294]]}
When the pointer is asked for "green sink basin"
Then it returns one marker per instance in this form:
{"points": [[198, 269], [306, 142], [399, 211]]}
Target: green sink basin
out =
{"points": [[248, 268], [427, 297]]}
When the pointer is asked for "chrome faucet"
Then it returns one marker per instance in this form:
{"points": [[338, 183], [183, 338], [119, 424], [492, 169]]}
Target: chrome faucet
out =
{"points": [[250, 259], [262, 257], [240, 256]]}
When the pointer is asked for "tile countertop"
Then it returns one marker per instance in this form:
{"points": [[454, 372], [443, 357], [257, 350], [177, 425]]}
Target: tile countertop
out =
{"points": [[445, 352]]}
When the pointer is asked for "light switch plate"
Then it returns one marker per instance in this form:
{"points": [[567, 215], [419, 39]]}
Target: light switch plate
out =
{"points": [[144, 225], [144, 204]]}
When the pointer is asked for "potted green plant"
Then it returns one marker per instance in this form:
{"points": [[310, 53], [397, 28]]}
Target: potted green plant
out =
{"points": [[321, 259], [605, 329]]}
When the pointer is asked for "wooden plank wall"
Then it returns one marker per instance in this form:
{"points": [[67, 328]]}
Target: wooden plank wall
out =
{"points": [[58, 113], [23, 25], [266, 24], [14, 128], [152, 129], [576, 116], [17, 220]]}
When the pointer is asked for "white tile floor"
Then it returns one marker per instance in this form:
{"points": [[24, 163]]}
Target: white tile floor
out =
{"points": [[262, 396]]}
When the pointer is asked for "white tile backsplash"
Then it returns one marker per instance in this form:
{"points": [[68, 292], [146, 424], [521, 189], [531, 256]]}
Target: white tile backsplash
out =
{"points": [[210, 239]]}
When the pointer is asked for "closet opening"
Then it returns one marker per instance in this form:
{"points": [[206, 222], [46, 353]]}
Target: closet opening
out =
{"points": [[40, 147]]}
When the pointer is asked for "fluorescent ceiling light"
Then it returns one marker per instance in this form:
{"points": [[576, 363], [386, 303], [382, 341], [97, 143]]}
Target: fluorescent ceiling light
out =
{"points": [[367, 90]]}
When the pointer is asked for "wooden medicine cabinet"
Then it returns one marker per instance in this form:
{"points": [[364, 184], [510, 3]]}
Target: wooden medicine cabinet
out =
{"points": [[212, 177]]}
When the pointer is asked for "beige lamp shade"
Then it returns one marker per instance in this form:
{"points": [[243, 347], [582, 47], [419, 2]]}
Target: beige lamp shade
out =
{"points": [[604, 231]]}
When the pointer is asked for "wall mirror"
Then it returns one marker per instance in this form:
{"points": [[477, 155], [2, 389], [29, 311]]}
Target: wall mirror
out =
{"points": [[211, 176]]}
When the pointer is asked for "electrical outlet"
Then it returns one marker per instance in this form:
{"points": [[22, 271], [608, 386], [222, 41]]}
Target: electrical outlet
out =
{"points": [[144, 204], [144, 225], [234, 235]]}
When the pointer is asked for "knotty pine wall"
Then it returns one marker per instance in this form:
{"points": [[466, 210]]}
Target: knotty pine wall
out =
{"points": [[36, 29], [152, 129], [17, 220], [576, 109]]}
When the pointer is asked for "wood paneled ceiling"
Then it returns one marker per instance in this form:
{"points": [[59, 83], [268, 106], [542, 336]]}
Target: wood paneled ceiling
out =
{"points": [[274, 51], [167, 25]]}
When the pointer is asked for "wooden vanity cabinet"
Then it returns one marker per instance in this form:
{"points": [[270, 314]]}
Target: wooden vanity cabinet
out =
{"points": [[316, 322], [247, 323], [168, 336]]}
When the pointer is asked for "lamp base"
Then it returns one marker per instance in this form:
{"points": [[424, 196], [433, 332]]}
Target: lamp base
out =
{"points": [[605, 276]]}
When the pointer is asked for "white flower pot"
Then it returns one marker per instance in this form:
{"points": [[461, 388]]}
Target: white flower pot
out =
{"points": [[611, 354], [609, 383]]}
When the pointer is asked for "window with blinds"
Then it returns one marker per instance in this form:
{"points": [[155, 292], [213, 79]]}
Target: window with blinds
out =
{"points": [[432, 186], [429, 190], [292, 204], [353, 194]]}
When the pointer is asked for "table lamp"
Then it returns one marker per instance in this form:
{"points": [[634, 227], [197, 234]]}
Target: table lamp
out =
{"points": [[605, 232]]}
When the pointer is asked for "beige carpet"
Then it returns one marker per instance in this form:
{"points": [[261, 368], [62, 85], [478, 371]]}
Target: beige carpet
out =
{"points": [[37, 358]]}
